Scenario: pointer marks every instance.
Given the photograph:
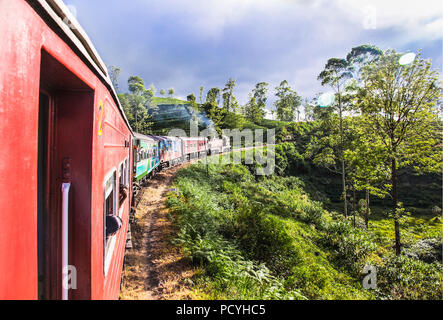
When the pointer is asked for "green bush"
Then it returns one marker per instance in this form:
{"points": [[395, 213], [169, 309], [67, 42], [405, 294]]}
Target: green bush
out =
{"points": [[201, 215], [349, 246], [403, 277]]}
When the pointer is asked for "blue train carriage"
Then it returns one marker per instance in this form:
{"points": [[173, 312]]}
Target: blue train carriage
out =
{"points": [[164, 145], [146, 157], [176, 153]]}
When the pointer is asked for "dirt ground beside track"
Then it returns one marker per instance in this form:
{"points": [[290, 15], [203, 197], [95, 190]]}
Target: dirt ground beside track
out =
{"points": [[155, 269]]}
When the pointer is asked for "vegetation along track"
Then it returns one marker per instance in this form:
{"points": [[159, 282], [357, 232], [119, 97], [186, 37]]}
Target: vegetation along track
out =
{"points": [[154, 268]]}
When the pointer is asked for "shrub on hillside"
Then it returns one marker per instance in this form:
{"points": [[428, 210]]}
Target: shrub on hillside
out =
{"points": [[403, 277]]}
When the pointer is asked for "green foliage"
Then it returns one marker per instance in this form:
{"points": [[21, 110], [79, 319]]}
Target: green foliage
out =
{"points": [[191, 98], [252, 111], [255, 108], [350, 245], [399, 107], [202, 216], [229, 101], [288, 102], [228, 223], [213, 96], [172, 101], [136, 85], [398, 104], [236, 226], [402, 277]]}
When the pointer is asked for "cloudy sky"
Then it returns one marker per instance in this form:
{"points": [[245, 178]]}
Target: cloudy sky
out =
{"points": [[187, 44]]}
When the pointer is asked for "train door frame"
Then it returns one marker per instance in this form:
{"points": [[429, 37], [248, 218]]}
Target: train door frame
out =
{"points": [[70, 137], [45, 143]]}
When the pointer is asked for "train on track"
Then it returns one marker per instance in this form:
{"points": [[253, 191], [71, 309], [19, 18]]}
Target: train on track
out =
{"points": [[70, 162], [155, 153]]}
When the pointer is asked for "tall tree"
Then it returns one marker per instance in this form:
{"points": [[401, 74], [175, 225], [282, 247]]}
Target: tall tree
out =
{"points": [[335, 74], [367, 168], [136, 85], [310, 107], [252, 111], [202, 89], [114, 74], [361, 56], [368, 165], [213, 96], [171, 92], [399, 103], [191, 98], [139, 101], [152, 90], [228, 94], [215, 113], [162, 92], [255, 108], [288, 102]]}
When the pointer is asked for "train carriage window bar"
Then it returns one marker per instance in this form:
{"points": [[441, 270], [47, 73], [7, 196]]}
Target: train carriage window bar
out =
{"points": [[126, 174], [109, 209], [123, 190], [112, 222]]}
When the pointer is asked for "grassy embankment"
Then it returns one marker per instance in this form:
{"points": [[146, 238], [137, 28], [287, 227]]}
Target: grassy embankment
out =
{"points": [[265, 238]]}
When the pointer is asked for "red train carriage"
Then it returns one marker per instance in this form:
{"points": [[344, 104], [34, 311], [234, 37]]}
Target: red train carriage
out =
{"points": [[202, 146], [175, 151], [60, 123], [195, 147]]}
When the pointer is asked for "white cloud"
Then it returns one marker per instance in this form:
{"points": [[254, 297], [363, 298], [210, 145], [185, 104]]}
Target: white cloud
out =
{"points": [[420, 20], [186, 44]]}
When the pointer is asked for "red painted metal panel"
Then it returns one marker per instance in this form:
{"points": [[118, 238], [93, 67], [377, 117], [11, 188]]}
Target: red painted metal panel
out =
{"points": [[24, 35]]}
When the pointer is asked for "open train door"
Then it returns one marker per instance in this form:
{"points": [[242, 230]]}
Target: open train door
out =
{"points": [[64, 156]]}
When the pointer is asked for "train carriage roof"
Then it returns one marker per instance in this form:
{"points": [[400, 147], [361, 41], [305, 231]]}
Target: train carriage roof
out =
{"points": [[160, 138], [57, 12], [140, 136], [174, 138], [194, 138]]}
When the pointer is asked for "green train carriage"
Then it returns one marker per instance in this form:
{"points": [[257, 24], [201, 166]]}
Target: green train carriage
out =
{"points": [[146, 157]]}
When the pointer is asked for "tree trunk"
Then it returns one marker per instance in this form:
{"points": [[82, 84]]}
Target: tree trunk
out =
{"points": [[353, 203], [367, 210], [136, 119], [343, 172], [395, 204]]}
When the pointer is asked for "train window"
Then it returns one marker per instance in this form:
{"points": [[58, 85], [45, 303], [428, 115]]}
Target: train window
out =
{"points": [[121, 175], [108, 210], [123, 189], [126, 173]]}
